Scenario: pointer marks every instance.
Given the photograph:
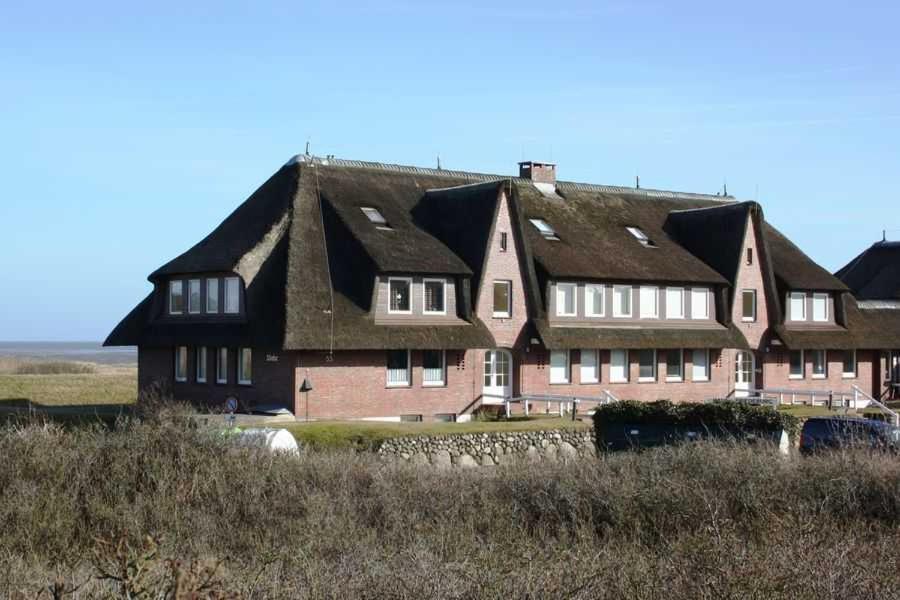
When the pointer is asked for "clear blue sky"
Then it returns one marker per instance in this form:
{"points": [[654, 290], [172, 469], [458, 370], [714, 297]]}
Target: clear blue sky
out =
{"points": [[129, 130]]}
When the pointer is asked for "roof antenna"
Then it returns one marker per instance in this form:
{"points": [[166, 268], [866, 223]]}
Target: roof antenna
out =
{"points": [[307, 147], [637, 182], [725, 188], [439, 162], [884, 235]]}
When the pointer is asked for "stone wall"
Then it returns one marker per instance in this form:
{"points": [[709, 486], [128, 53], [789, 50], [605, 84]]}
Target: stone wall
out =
{"points": [[488, 449]]}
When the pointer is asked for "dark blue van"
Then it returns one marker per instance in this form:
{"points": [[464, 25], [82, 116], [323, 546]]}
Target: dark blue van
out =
{"points": [[829, 433]]}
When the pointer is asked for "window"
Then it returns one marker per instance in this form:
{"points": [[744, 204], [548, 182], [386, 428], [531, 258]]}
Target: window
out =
{"points": [[674, 303], [502, 299], [232, 295], [594, 300], [399, 295], [398, 368], [622, 301], [433, 368], [646, 365], [194, 296], [641, 237], [201, 364], [181, 363], [699, 303], [376, 218], [503, 241], [544, 228], [435, 296], [819, 364], [820, 307], [674, 365], [748, 302], [245, 366], [849, 369], [649, 303], [212, 296], [445, 417], [700, 365], [749, 256], [176, 297], [565, 300], [618, 366], [590, 366], [222, 365], [798, 306], [559, 366], [798, 365]]}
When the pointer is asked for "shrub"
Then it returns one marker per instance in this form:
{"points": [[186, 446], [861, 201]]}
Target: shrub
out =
{"points": [[53, 368]]}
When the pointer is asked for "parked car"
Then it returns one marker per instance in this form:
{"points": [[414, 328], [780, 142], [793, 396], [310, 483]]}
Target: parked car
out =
{"points": [[829, 433]]}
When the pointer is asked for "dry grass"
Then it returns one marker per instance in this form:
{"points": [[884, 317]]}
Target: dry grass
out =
{"points": [[133, 511], [94, 385]]}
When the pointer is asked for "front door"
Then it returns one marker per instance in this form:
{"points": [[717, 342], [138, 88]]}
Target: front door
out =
{"points": [[497, 376], [744, 374]]}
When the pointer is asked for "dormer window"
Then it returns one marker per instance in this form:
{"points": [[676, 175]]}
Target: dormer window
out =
{"points": [[798, 306], [376, 218], [194, 296], [434, 299], [232, 295], [820, 308], [176, 297], [399, 291], [544, 228], [640, 236]]}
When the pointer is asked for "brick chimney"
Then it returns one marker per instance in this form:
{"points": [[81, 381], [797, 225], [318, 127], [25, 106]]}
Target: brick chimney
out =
{"points": [[538, 172]]}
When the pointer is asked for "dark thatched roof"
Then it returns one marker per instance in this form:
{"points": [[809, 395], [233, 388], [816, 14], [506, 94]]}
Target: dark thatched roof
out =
{"points": [[874, 274], [794, 269], [639, 338]]}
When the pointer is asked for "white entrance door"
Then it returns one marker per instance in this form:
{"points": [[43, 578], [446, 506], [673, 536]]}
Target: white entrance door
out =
{"points": [[497, 376], [744, 374]]}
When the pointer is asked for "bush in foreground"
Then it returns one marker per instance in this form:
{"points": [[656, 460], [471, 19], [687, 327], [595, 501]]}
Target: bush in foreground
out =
{"points": [[160, 509]]}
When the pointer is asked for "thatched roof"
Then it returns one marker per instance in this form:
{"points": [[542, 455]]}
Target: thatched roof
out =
{"points": [[874, 274], [309, 256]]}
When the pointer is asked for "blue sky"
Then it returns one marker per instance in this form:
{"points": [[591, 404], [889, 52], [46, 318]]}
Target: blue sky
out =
{"points": [[128, 132]]}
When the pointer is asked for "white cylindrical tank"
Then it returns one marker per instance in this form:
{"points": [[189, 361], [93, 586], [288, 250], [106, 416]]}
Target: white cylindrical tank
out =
{"points": [[273, 440]]}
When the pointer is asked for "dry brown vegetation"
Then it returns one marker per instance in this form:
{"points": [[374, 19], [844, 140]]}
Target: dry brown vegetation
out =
{"points": [[70, 384], [163, 509]]}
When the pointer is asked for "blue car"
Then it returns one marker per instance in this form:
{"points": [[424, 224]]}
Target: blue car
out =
{"points": [[830, 433]]}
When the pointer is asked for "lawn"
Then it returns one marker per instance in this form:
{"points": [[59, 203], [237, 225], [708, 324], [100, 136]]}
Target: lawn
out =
{"points": [[108, 386], [362, 434]]}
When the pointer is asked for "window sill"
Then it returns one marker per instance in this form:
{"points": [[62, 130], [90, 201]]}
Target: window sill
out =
{"points": [[820, 376], [398, 386], [429, 313], [245, 383], [201, 381], [589, 382], [440, 384], [796, 377], [646, 380], [674, 379], [568, 316], [704, 380], [595, 316], [180, 380], [849, 376], [618, 381], [500, 315], [400, 312], [560, 382], [221, 382], [621, 316], [747, 320], [675, 317]]}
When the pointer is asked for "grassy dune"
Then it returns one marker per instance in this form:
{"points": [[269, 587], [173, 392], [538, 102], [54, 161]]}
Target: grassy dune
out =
{"points": [[56, 384]]}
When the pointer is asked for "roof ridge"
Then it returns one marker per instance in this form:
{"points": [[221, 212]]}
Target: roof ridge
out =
{"points": [[487, 177]]}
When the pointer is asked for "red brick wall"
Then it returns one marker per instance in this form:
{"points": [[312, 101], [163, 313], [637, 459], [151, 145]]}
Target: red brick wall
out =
{"points": [[354, 386], [749, 277], [777, 367], [272, 381], [502, 266]]}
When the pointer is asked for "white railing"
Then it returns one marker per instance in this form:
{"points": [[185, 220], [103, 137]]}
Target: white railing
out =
{"points": [[892, 415], [564, 403], [779, 396]]}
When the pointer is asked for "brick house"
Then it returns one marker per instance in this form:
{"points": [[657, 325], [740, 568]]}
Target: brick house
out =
{"points": [[409, 293]]}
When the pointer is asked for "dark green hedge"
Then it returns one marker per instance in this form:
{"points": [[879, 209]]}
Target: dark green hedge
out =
{"points": [[722, 416]]}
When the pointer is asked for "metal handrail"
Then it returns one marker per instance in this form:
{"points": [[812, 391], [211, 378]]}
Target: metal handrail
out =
{"points": [[895, 418], [607, 398]]}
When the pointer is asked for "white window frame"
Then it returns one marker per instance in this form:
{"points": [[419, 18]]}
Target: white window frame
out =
{"points": [[195, 310], [181, 351], [560, 306], [443, 380], [824, 374], [591, 290], [655, 367], [409, 296], [678, 292], [751, 319], [701, 294], [640, 236], [626, 366], [545, 229], [179, 284], [802, 297], [655, 291], [236, 282], [242, 380], [824, 300], [374, 215], [617, 289], [202, 364], [443, 283], [706, 367], [844, 373], [501, 314], [802, 373], [595, 378], [568, 367], [212, 295], [222, 365], [398, 384], [680, 377]]}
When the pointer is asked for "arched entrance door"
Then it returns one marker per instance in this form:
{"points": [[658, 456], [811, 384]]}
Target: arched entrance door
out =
{"points": [[744, 374], [497, 376]]}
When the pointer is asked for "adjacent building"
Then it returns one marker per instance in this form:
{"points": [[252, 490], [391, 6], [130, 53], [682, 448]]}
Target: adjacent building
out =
{"points": [[405, 293]]}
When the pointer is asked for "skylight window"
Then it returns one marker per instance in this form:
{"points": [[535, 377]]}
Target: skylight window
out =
{"points": [[641, 237], [545, 229], [375, 217]]}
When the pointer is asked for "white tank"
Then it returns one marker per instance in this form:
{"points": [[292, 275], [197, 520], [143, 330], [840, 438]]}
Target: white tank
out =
{"points": [[273, 440]]}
